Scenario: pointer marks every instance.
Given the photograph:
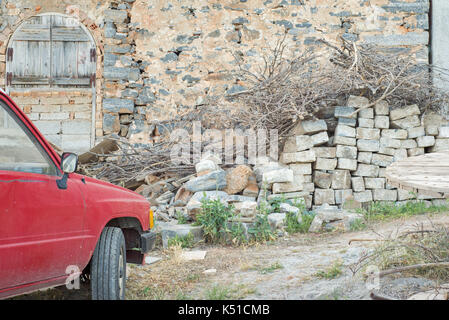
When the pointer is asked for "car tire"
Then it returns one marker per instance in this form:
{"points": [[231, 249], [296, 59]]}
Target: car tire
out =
{"points": [[108, 267]]}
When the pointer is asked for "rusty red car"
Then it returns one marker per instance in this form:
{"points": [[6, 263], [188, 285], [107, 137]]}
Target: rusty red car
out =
{"points": [[55, 224]]}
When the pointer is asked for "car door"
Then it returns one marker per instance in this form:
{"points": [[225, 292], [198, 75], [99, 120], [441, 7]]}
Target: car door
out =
{"points": [[40, 225]]}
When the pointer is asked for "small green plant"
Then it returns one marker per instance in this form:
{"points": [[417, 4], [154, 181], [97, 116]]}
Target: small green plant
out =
{"points": [[380, 210], [276, 203], [213, 218], [330, 273], [238, 233], [181, 217], [218, 292], [357, 225], [184, 242], [271, 268], [293, 226], [261, 229]]}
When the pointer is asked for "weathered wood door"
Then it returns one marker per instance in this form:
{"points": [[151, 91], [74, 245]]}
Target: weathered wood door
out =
{"points": [[50, 50], [53, 53]]}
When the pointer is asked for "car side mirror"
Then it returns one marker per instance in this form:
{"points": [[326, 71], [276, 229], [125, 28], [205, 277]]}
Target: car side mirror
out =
{"points": [[69, 164]]}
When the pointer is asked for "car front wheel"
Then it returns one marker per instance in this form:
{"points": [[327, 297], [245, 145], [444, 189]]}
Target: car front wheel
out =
{"points": [[108, 267]]}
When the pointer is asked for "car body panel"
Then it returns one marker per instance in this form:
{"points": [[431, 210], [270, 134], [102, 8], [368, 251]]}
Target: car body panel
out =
{"points": [[44, 229]]}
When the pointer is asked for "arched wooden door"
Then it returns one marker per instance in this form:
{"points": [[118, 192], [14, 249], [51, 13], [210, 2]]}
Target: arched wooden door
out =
{"points": [[54, 52]]}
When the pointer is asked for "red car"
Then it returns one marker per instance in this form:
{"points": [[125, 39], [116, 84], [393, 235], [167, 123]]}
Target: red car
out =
{"points": [[55, 224]]}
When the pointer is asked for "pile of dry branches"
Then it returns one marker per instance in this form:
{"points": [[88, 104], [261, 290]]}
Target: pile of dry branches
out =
{"points": [[121, 163], [423, 252], [286, 90]]}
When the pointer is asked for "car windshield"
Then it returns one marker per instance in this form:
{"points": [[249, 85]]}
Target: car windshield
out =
{"points": [[19, 150]]}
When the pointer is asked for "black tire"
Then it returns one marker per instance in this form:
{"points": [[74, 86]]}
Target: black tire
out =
{"points": [[108, 266]]}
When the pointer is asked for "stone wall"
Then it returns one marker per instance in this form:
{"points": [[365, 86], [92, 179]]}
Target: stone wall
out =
{"points": [[327, 164], [156, 58]]}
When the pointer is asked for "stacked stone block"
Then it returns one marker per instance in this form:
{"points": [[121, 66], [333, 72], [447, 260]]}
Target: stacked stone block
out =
{"points": [[351, 164]]}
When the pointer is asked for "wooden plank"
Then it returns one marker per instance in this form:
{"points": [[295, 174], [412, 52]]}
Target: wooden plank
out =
{"points": [[72, 81], [28, 81], [39, 34], [69, 34]]}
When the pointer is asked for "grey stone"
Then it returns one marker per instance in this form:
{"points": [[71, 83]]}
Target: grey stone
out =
{"points": [[400, 154], [341, 179], [319, 138], [408, 144], [325, 152], [238, 198], [344, 112], [415, 152], [347, 164], [425, 141], [366, 170], [301, 168], [118, 16], [390, 143], [440, 145], [280, 175], [206, 165], [342, 195], [344, 131], [322, 196], [118, 105], [285, 208], [215, 180], [367, 113], [303, 156], [339, 140], [358, 184], [357, 102], [368, 145], [276, 220], [246, 209], [316, 225], [382, 109], [401, 113], [366, 123], [382, 160], [406, 123], [322, 179], [385, 195], [296, 185], [394, 133], [365, 157], [364, 196], [313, 126], [303, 143], [374, 183], [382, 122], [169, 231], [347, 121], [432, 130], [347, 152], [369, 134], [325, 164], [416, 132], [405, 195], [386, 150]]}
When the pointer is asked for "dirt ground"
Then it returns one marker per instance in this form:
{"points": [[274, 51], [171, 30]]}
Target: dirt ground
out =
{"points": [[284, 269]]}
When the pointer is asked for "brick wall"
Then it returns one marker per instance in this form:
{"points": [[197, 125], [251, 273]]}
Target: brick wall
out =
{"points": [[64, 117], [156, 58]]}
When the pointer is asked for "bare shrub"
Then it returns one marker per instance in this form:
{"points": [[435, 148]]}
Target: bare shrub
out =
{"points": [[287, 89]]}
